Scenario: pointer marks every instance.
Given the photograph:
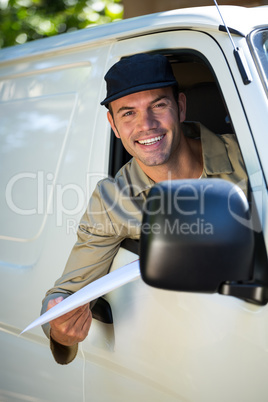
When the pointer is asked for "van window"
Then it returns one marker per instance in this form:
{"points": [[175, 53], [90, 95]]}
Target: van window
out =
{"points": [[259, 44], [205, 104]]}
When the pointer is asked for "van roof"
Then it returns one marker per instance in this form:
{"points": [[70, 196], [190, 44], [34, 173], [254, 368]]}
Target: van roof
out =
{"points": [[241, 19]]}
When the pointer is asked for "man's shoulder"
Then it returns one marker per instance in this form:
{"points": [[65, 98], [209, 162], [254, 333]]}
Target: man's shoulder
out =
{"points": [[110, 187], [228, 138], [214, 140], [122, 176], [130, 180], [198, 130]]}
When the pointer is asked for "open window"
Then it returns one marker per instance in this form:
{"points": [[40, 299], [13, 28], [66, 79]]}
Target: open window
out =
{"points": [[205, 104]]}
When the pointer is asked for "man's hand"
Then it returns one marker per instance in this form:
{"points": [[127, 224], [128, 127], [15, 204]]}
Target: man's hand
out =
{"points": [[70, 328]]}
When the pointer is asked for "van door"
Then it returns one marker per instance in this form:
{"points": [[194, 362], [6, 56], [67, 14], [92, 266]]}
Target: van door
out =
{"points": [[175, 346]]}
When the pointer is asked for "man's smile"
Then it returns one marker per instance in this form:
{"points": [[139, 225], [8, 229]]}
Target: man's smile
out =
{"points": [[151, 141]]}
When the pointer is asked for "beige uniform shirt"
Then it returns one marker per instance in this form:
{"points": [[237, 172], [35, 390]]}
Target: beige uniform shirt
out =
{"points": [[115, 210]]}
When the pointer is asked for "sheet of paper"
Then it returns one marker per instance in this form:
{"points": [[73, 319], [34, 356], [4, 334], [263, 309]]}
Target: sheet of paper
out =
{"points": [[96, 289]]}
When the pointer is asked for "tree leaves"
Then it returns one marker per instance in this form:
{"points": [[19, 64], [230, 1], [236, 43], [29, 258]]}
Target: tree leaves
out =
{"points": [[26, 20]]}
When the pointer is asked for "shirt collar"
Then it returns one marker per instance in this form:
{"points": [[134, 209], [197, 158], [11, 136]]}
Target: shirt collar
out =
{"points": [[215, 156]]}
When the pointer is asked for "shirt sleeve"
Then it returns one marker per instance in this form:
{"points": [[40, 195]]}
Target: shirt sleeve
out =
{"points": [[96, 246], [91, 257]]}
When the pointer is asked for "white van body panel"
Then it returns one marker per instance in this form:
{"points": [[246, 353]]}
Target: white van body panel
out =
{"points": [[55, 146]]}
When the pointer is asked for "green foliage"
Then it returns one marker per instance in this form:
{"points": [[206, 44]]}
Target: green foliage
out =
{"points": [[25, 20]]}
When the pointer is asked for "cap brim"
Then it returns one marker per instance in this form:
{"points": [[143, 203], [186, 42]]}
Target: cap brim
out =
{"points": [[132, 90]]}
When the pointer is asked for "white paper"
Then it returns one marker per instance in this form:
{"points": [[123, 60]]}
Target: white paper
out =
{"points": [[96, 289]]}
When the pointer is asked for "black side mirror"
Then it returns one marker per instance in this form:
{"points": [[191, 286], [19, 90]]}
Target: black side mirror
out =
{"points": [[192, 238]]}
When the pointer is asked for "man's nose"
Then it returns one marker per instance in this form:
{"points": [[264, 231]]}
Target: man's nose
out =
{"points": [[147, 121]]}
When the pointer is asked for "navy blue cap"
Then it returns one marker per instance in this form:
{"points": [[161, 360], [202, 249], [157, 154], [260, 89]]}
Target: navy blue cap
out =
{"points": [[137, 73]]}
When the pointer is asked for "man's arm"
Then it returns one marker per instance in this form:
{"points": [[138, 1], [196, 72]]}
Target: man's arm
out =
{"points": [[91, 258], [111, 216]]}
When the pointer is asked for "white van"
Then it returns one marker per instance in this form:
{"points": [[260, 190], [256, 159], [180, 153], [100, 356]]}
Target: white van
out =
{"points": [[56, 144]]}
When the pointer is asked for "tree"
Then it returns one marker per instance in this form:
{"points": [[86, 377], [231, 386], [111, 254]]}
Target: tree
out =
{"points": [[26, 20]]}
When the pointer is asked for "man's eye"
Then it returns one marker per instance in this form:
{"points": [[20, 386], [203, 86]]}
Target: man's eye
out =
{"points": [[159, 105], [127, 114]]}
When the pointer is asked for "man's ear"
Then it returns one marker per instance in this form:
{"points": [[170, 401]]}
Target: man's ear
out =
{"points": [[111, 121], [182, 106]]}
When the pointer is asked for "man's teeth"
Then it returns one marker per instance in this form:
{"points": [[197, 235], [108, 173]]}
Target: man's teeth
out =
{"points": [[151, 140]]}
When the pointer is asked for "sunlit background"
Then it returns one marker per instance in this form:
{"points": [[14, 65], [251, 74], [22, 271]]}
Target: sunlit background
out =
{"points": [[25, 20]]}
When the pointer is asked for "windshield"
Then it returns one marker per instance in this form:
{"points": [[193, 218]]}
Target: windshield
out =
{"points": [[259, 43]]}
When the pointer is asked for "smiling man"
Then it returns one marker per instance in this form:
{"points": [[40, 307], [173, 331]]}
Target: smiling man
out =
{"points": [[147, 112], [149, 126]]}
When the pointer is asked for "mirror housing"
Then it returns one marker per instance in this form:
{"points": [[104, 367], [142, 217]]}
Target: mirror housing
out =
{"points": [[196, 235]]}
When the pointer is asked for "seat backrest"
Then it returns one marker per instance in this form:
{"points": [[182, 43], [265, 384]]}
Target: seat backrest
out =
{"points": [[205, 105]]}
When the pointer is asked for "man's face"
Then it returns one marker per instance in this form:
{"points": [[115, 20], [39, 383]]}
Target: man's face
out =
{"points": [[148, 124]]}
